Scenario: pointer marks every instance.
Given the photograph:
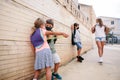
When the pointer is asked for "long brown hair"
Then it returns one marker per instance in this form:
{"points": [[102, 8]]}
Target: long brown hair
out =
{"points": [[99, 20]]}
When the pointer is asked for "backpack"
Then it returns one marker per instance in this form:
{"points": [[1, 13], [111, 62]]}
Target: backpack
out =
{"points": [[54, 39], [72, 37], [37, 38]]}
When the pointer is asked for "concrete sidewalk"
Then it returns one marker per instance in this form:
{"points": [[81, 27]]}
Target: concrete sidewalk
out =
{"points": [[90, 69]]}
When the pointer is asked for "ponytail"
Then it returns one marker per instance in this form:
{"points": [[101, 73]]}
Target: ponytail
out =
{"points": [[37, 24]]}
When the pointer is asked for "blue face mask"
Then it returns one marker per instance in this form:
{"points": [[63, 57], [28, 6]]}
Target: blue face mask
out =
{"points": [[48, 28]]}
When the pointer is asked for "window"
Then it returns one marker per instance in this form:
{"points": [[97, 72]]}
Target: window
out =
{"points": [[79, 7], [112, 22], [68, 1], [87, 19]]}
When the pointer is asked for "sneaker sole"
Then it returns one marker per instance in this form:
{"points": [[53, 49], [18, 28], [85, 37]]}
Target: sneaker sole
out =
{"points": [[57, 79]]}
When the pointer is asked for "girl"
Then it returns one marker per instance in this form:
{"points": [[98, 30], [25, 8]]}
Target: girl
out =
{"points": [[43, 57], [77, 41], [100, 36]]}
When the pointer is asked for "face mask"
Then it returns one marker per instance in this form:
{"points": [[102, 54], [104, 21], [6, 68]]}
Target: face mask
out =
{"points": [[48, 28]]}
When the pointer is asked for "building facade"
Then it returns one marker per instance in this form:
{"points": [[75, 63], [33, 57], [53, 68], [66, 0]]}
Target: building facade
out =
{"points": [[16, 21], [88, 12]]}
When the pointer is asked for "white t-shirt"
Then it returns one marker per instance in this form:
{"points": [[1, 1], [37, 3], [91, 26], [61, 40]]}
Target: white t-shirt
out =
{"points": [[77, 36], [100, 31]]}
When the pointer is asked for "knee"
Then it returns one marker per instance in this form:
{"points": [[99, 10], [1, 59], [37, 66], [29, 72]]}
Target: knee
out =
{"points": [[100, 48]]}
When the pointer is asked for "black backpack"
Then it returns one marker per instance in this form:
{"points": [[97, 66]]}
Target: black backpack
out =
{"points": [[72, 37]]}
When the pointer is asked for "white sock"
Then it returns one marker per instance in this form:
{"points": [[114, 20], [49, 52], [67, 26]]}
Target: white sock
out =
{"points": [[100, 57]]}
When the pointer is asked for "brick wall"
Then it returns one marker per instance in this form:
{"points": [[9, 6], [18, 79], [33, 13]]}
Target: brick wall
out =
{"points": [[16, 20]]}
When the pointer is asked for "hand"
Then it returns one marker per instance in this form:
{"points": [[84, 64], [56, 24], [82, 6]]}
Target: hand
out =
{"points": [[65, 35], [93, 29]]}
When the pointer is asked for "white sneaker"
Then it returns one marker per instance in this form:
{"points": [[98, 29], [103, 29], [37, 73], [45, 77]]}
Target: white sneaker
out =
{"points": [[100, 60]]}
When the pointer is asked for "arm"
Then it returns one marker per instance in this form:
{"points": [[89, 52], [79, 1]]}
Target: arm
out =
{"points": [[33, 50], [72, 27], [106, 29], [93, 29], [56, 33]]}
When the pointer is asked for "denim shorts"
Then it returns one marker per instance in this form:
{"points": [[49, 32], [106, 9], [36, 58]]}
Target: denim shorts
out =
{"points": [[100, 38], [79, 45]]}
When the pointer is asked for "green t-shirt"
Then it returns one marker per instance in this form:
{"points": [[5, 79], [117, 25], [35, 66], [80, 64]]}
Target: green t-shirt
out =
{"points": [[52, 45]]}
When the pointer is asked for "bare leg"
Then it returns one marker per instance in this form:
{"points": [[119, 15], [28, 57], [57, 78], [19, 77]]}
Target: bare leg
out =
{"points": [[99, 48], [79, 51], [102, 43], [37, 72], [48, 73], [79, 58], [55, 74], [56, 67]]}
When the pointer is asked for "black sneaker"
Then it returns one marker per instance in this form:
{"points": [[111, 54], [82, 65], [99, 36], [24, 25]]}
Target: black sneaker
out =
{"points": [[79, 59]]}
